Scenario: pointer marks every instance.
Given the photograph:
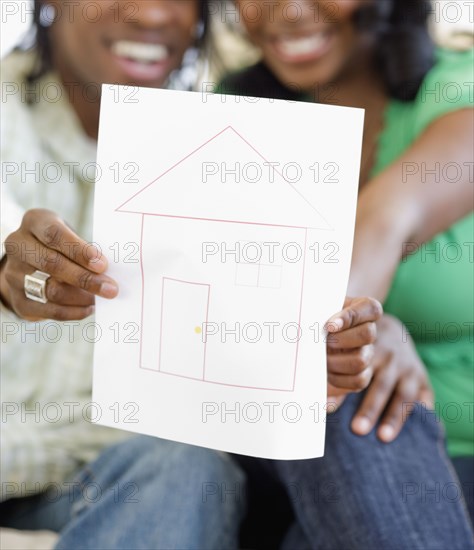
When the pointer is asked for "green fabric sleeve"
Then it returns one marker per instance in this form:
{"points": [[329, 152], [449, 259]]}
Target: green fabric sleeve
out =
{"points": [[448, 87]]}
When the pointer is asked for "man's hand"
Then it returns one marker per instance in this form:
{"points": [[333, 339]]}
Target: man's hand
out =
{"points": [[351, 334], [44, 242]]}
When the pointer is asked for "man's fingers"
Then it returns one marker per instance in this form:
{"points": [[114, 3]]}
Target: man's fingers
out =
{"points": [[354, 383], [60, 293], [374, 402], [396, 414], [355, 337], [333, 403], [332, 391], [33, 311], [66, 271], [67, 295], [54, 234], [352, 362], [358, 311]]}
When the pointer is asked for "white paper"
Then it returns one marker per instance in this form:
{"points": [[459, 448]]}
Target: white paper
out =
{"points": [[228, 223]]}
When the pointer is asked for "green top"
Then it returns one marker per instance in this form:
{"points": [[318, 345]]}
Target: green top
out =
{"points": [[432, 293], [433, 289]]}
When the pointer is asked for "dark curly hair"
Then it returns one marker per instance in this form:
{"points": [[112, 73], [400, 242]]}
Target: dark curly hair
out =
{"points": [[43, 46], [404, 50], [403, 54]]}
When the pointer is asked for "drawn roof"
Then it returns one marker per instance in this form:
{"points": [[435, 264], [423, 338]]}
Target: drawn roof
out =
{"points": [[203, 186]]}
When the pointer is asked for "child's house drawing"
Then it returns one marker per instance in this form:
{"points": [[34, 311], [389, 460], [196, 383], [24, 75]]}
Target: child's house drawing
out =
{"points": [[222, 283]]}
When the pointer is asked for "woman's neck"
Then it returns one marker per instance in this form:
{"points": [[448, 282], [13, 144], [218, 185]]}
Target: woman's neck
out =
{"points": [[359, 85]]}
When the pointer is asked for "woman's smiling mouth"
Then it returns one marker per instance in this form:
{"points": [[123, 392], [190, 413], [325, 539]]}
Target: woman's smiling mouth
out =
{"points": [[301, 48]]}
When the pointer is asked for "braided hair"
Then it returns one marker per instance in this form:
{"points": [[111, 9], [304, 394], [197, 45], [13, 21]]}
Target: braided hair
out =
{"points": [[43, 46]]}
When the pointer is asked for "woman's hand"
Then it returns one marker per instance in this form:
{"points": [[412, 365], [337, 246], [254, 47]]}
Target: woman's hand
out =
{"points": [[351, 334], [44, 242], [400, 379]]}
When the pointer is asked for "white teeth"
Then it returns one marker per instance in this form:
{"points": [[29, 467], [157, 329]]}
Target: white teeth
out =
{"points": [[140, 51], [302, 46]]}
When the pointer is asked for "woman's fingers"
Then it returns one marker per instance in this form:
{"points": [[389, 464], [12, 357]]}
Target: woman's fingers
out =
{"points": [[396, 413], [356, 312], [375, 400], [55, 235], [399, 381], [409, 391], [426, 396]]}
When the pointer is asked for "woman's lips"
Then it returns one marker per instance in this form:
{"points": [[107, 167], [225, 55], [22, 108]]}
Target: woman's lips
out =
{"points": [[299, 49], [141, 61]]}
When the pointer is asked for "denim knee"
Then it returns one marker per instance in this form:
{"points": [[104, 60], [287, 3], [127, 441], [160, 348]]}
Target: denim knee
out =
{"points": [[147, 457]]}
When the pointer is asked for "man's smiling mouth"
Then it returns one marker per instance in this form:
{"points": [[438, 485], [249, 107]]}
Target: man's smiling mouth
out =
{"points": [[140, 52]]}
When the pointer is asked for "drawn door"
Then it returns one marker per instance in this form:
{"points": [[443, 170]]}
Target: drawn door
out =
{"points": [[184, 308]]}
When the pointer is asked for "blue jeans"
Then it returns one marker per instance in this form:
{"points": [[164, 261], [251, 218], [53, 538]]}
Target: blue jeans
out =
{"points": [[362, 494], [142, 493], [464, 466]]}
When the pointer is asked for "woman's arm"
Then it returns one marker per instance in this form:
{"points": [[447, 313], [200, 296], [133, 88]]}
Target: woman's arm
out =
{"points": [[406, 205]]}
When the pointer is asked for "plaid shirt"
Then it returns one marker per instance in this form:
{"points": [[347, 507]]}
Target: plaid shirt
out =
{"points": [[46, 367]]}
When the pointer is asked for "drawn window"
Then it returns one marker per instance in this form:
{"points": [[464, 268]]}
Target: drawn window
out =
{"points": [[258, 265]]}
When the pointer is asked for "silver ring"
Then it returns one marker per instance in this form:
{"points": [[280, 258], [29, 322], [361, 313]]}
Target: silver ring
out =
{"points": [[35, 286]]}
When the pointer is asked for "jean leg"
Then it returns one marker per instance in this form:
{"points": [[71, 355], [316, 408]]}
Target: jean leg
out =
{"points": [[50, 510], [367, 494], [464, 466], [295, 539], [148, 493], [269, 512]]}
